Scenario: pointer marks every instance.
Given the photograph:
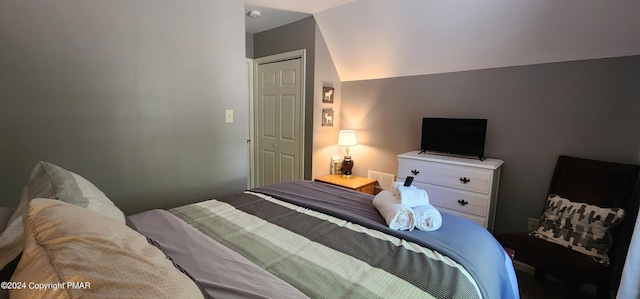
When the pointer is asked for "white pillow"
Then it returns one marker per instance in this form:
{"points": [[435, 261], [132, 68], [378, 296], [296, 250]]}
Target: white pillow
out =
{"points": [[67, 244]]}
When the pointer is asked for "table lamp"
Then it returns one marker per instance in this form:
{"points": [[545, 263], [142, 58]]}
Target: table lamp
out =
{"points": [[347, 138]]}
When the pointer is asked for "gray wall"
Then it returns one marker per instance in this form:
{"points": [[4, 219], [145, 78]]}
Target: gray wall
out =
{"points": [[325, 138], [587, 108], [129, 94], [249, 45], [295, 36]]}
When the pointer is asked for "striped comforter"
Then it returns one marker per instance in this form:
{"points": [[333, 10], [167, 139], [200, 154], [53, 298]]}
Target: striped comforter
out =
{"points": [[326, 256]]}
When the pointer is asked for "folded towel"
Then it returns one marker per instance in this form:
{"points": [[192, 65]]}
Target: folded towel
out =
{"points": [[428, 218], [410, 196], [397, 216]]}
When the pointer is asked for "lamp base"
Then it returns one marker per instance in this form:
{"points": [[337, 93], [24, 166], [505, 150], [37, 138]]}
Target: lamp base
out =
{"points": [[347, 166]]}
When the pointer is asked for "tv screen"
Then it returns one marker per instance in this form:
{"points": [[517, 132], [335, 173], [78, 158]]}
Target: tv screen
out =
{"points": [[460, 136]]}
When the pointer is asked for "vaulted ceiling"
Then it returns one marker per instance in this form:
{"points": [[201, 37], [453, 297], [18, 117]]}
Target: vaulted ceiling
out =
{"points": [[371, 39]]}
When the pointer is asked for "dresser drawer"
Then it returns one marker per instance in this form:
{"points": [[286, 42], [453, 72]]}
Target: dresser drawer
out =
{"points": [[480, 221], [457, 200], [454, 176]]}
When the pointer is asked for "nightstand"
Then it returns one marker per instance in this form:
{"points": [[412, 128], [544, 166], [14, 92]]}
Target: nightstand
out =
{"points": [[357, 183]]}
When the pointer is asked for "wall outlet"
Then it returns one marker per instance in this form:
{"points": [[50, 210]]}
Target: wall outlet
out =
{"points": [[532, 224]]}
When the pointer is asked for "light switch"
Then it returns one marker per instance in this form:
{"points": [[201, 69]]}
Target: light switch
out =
{"points": [[229, 116]]}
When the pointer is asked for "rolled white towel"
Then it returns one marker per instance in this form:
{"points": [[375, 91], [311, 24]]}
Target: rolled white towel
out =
{"points": [[397, 216], [410, 196], [428, 218]]}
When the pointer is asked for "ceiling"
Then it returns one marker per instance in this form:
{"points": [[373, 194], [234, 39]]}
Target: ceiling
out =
{"points": [[371, 39], [276, 13]]}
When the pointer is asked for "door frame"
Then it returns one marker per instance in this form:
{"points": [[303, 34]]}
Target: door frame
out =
{"points": [[249, 62], [252, 177]]}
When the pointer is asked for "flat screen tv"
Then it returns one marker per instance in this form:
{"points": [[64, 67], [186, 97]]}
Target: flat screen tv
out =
{"points": [[458, 136]]}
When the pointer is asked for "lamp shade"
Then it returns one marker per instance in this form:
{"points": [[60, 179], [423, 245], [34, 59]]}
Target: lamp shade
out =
{"points": [[347, 138]]}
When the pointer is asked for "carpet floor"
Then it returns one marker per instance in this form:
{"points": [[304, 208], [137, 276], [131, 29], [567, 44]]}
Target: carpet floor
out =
{"points": [[550, 289]]}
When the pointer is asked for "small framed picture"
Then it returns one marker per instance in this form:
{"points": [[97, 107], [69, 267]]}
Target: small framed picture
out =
{"points": [[327, 117], [336, 167], [327, 95]]}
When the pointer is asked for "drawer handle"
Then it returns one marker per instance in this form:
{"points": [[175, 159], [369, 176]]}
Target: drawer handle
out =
{"points": [[415, 172], [465, 180], [462, 202]]}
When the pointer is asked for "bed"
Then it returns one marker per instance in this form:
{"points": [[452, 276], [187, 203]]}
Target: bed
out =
{"points": [[294, 239]]}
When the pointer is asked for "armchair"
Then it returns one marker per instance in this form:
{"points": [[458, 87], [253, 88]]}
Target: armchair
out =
{"points": [[598, 183]]}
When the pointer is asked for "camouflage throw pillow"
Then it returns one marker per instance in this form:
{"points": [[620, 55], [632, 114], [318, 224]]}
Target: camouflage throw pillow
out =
{"points": [[579, 226]]}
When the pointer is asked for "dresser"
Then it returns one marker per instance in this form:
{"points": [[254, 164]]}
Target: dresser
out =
{"points": [[466, 187]]}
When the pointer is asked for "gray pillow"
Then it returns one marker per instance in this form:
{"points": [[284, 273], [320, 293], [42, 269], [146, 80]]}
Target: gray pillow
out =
{"points": [[5, 214], [51, 181]]}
